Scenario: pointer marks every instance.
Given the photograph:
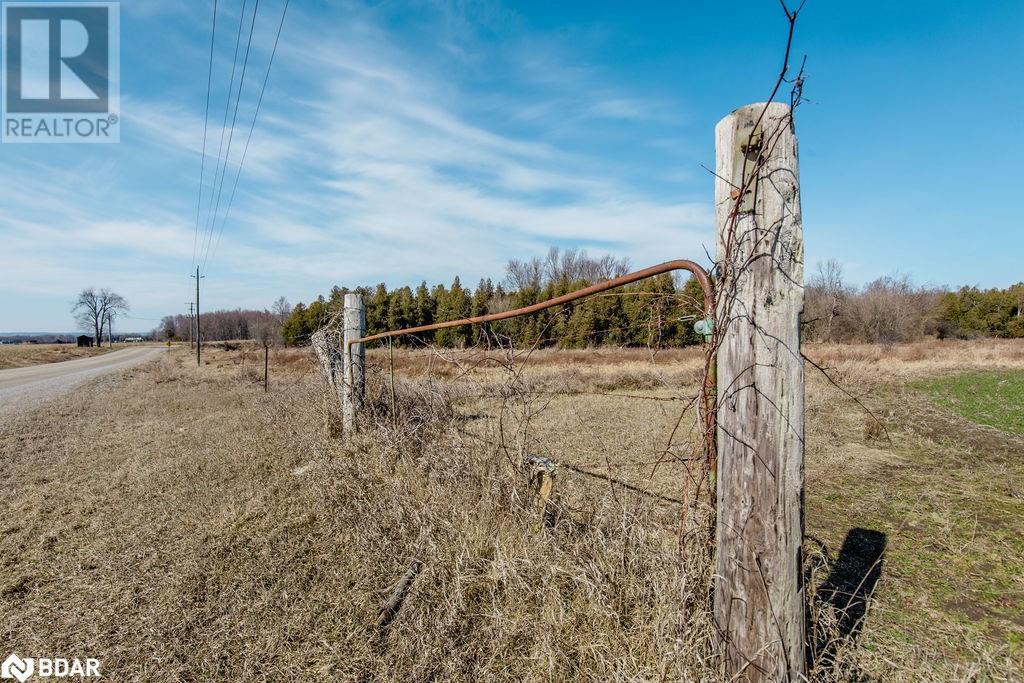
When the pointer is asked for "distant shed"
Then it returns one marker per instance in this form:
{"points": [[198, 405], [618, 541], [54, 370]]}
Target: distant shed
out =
{"points": [[84, 340]]}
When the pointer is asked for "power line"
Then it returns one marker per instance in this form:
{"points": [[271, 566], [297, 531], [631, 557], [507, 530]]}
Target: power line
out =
{"points": [[252, 126], [231, 135], [206, 125], [224, 124]]}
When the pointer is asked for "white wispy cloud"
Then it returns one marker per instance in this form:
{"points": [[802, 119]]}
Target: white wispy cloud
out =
{"points": [[371, 161], [406, 169]]}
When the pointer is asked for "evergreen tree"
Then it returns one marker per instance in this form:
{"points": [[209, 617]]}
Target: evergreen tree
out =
{"points": [[401, 310], [481, 306], [439, 296], [317, 316], [336, 301], [425, 309], [295, 330], [972, 312], [377, 310], [453, 304]]}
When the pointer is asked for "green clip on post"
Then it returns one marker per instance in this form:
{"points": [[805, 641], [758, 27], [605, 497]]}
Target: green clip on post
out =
{"points": [[704, 327]]}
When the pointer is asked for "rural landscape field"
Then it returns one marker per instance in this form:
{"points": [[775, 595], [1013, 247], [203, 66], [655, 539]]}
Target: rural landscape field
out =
{"points": [[27, 355], [219, 533], [450, 341]]}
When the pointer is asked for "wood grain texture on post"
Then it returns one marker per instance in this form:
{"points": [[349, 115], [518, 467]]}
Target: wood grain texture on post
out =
{"points": [[354, 356], [759, 595]]}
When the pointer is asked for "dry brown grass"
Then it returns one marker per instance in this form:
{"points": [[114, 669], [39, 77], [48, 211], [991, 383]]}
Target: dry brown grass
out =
{"points": [[217, 535], [24, 355], [920, 358], [191, 527]]}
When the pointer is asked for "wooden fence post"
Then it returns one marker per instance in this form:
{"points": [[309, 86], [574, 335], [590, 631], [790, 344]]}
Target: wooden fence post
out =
{"points": [[354, 358], [759, 593]]}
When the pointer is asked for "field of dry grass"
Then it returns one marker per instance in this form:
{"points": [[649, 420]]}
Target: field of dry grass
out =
{"points": [[23, 355], [191, 527]]}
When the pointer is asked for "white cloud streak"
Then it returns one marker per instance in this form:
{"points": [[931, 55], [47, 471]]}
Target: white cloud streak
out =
{"points": [[369, 163]]}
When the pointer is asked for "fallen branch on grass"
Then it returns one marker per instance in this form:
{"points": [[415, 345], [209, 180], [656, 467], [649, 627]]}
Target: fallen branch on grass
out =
{"points": [[397, 597]]}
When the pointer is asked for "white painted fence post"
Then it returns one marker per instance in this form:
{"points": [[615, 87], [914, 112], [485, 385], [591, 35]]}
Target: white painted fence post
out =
{"points": [[759, 594], [354, 359]]}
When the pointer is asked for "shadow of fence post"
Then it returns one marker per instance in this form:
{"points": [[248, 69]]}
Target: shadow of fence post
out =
{"points": [[847, 592]]}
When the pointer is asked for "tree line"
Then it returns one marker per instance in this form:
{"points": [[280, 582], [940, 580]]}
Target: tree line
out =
{"points": [[659, 311], [227, 324], [662, 310], [892, 309]]}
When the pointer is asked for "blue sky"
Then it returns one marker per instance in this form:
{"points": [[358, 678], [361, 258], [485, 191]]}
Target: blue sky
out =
{"points": [[407, 141]]}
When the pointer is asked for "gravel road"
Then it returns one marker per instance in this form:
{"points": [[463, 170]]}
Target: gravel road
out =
{"points": [[22, 388]]}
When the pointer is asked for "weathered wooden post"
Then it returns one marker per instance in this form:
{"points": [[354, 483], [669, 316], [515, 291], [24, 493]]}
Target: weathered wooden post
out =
{"points": [[759, 595], [541, 473], [266, 368], [354, 358]]}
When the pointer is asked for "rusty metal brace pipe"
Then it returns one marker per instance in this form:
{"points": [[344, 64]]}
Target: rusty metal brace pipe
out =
{"points": [[703, 278]]}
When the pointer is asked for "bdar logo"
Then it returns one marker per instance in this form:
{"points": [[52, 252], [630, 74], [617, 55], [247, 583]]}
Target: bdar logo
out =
{"points": [[16, 667], [48, 667]]}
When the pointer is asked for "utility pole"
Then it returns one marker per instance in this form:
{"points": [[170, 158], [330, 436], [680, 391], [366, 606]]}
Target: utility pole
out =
{"points": [[199, 335], [110, 331], [191, 305]]}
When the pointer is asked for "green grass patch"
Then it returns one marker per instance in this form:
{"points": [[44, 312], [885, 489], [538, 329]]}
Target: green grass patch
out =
{"points": [[993, 398]]}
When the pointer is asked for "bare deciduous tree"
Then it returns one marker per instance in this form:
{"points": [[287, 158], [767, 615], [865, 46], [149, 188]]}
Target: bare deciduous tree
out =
{"points": [[282, 309], [825, 299], [93, 308], [892, 309], [266, 332], [563, 266], [525, 275], [224, 325]]}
